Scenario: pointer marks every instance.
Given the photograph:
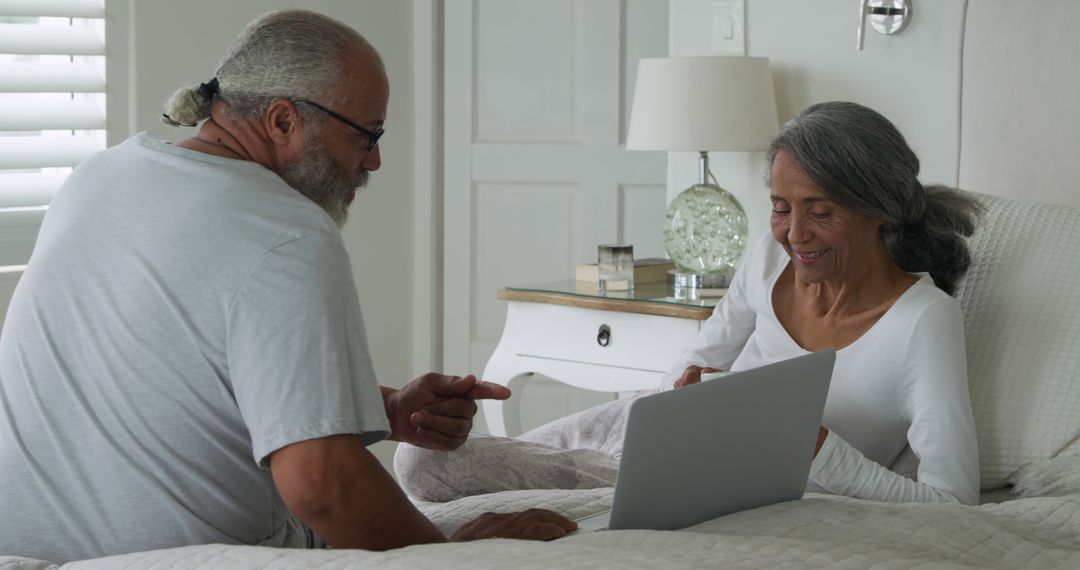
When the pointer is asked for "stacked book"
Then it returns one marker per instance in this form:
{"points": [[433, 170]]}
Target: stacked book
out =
{"points": [[647, 270]]}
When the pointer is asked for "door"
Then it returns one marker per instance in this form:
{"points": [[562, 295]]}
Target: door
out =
{"points": [[536, 105]]}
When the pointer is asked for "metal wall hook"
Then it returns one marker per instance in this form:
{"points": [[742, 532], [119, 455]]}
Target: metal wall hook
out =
{"points": [[887, 17]]}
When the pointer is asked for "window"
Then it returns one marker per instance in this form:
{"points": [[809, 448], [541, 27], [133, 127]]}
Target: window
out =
{"points": [[52, 112]]}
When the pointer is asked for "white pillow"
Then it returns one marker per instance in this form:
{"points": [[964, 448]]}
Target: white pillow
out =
{"points": [[1021, 305], [1054, 477]]}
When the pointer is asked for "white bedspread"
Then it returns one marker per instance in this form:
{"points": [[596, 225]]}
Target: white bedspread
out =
{"points": [[816, 532]]}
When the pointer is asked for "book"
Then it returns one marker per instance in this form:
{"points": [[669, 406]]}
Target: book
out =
{"points": [[646, 270]]}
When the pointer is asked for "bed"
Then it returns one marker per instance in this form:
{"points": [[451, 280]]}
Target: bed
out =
{"points": [[1021, 304], [816, 532]]}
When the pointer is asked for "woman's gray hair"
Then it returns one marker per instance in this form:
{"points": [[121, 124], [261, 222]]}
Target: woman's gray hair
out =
{"points": [[290, 54], [860, 159]]}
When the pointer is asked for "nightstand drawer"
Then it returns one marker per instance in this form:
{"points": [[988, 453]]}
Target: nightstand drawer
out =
{"points": [[608, 338]]}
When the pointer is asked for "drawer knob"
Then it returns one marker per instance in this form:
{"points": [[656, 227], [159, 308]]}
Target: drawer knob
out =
{"points": [[603, 338]]}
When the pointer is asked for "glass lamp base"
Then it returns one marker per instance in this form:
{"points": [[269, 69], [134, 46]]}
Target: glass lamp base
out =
{"points": [[705, 230], [683, 280]]}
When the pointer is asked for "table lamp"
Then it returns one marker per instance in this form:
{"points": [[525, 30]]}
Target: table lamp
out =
{"points": [[703, 104]]}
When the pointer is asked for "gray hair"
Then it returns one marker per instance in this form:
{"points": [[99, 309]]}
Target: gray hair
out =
{"points": [[860, 159], [286, 54]]}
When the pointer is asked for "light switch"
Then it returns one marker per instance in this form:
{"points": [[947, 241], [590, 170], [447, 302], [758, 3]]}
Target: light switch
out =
{"points": [[729, 27], [725, 27]]}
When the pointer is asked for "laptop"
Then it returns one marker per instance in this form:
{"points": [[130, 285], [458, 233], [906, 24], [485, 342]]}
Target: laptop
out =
{"points": [[741, 441]]}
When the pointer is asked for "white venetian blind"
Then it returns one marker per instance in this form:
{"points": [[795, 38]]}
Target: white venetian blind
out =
{"points": [[52, 110]]}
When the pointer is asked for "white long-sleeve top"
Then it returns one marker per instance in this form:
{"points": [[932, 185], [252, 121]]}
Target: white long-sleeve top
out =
{"points": [[903, 382]]}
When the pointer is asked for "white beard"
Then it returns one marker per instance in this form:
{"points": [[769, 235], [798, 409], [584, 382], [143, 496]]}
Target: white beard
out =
{"points": [[318, 178]]}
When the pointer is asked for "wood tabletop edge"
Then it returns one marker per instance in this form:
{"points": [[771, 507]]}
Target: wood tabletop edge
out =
{"points": [[621, 305]]}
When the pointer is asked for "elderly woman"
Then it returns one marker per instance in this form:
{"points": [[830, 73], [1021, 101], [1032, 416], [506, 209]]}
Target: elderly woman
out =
{"points": [[862, 258]]}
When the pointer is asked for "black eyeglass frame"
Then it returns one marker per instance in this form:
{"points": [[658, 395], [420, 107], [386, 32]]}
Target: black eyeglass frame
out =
{"points": [[373, 136]]}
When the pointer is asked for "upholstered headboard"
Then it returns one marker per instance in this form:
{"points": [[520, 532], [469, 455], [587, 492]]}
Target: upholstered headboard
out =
{"points": [[1020, 140], [1020, 103]]}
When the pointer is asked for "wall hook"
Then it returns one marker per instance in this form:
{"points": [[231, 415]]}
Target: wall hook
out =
{"points": [[887, 17]]}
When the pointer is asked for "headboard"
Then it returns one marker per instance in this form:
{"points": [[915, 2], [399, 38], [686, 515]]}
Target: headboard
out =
{"points": [[1020, 101], [1020, 140]]}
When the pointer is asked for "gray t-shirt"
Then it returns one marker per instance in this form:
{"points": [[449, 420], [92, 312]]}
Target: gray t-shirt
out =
{"points": [[182, 317]]}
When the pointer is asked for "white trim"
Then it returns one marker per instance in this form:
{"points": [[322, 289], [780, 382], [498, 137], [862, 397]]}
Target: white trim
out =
{"points": [[457, 233], [960, 95], [120, 69], [426, 257]]}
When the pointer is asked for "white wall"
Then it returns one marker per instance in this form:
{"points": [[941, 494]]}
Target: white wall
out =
{"points": [[912, 78], [161, 45]]}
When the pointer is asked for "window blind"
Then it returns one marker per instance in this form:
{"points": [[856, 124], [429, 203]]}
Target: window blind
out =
{"points": [[52, 110]]}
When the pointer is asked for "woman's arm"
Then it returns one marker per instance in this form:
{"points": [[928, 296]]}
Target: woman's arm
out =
{"points": [[932, 396], [725, 332], [843, 470]]}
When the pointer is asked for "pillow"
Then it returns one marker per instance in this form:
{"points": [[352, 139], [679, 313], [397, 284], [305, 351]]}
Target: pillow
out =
{"points": [[1021, 305], [1055, 477]]}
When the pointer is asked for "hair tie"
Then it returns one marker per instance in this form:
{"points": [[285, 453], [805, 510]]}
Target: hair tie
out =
{"points": [[209, 89]]}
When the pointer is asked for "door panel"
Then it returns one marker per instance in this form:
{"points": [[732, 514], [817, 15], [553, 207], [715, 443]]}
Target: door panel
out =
{"points": [[525, 94], [537, 100], [536, 245]]}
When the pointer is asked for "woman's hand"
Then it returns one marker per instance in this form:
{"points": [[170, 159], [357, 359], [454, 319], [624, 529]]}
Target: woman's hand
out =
{"points": [[692, 375]]}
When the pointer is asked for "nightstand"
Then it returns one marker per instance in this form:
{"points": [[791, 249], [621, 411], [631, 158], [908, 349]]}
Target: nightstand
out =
{"points": [[616, 341]]}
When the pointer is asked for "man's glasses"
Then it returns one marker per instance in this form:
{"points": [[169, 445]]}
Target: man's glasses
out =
{"points": [[373, 136]]}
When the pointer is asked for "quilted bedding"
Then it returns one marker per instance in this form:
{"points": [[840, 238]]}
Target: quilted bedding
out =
{"points": [[816, 532]]}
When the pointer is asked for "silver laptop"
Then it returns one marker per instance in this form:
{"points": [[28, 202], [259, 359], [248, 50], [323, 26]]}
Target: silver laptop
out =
{"points": [[738, 442]]}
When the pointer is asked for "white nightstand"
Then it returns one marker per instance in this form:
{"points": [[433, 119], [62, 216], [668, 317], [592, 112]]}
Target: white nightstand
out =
{"points": [[570, 332]]}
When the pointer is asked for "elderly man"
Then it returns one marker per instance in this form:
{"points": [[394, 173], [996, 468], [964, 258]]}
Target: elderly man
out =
{"points": [[184, 360]]}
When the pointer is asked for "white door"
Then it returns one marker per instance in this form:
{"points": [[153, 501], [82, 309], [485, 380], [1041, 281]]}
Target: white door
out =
{"points": [[537, 102]]}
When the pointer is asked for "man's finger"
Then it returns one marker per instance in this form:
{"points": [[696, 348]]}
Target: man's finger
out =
{"points": [[489, 391], [452, 427], [553, 517], [542, 531], [541, 524], [454, 407], [533, 524], [454, 385]]}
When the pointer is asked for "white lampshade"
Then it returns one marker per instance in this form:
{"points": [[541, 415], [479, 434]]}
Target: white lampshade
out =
{"points": [[703, 104]]}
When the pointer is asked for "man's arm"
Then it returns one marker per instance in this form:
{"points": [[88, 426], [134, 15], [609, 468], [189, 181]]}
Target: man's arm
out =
{"points": [[341, 491], [338, 488]]}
